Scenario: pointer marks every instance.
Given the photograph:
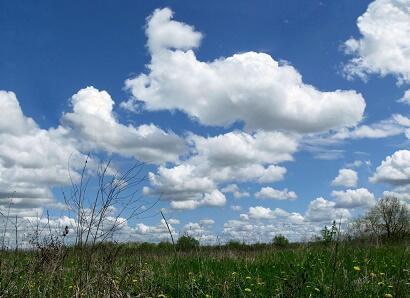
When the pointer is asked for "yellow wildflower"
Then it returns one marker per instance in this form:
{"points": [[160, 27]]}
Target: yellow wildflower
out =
{"points": [[356, 268]]}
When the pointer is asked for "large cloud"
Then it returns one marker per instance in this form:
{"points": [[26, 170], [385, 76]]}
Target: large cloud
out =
{"points": [[384, 46], [32, 159], [395, 169], [93, 121], [234, 156], [353, 198], [250, 87]]}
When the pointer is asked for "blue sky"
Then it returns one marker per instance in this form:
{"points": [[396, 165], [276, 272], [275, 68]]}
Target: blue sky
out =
{"points": [[265, 117]]}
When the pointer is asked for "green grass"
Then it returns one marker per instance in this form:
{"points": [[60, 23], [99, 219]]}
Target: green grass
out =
{"points": [[121, 271]]}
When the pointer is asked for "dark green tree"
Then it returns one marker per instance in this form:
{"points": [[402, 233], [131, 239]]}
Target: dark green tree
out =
{"points": [[187, 243], [280, 241]]}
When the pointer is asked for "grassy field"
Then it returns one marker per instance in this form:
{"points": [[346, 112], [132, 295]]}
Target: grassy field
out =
{"points": [[131, 271]]}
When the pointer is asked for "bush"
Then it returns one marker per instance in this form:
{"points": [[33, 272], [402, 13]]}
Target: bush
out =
{"points": [[146, 246], [280, 241], [233, 244], [165, 246], [187, 243]]}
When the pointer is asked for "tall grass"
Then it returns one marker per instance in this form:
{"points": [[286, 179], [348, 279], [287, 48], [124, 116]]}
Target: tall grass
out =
{"points": [[135, 271]]}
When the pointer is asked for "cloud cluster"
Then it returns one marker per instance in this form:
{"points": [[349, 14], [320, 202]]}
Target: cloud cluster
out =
{"points": [[384, 45], [249, 87], [322, 210], [234, 156], [263, 223], [34, 160]]}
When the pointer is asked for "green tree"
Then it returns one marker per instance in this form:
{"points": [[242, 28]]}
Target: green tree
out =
{"points": [[389, 219], [280, 241], [187, 243]]}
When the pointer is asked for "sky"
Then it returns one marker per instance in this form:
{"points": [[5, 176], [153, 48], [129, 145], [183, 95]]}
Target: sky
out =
{"points": [[252, 118]]}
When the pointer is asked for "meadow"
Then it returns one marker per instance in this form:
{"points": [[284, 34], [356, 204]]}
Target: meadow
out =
{"points": [[146, 270]]}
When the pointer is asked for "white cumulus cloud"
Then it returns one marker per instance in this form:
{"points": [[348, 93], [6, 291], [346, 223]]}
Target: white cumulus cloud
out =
{"points": [[249, 87], [384, 45], [395, 169], [322, 210], [353, 198], [32, 160], [93, 120], [346, 177], [271, 193]]}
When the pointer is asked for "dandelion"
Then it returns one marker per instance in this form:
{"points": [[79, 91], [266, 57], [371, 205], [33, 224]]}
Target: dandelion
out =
{"points": [[248, 290], [356, 268], [388, 296]]}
